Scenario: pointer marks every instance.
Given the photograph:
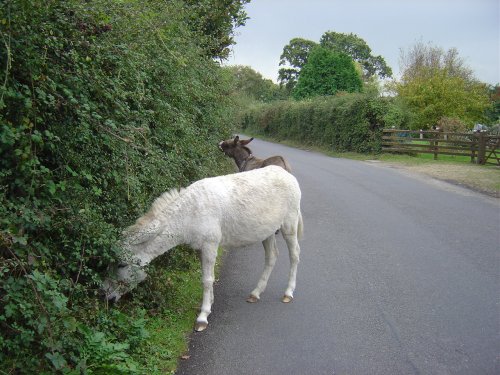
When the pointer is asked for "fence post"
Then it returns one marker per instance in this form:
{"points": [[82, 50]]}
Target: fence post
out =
{"points": [[473, 150], [481, 149], [436, 136]]}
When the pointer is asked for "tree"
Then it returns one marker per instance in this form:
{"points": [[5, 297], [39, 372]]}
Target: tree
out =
{"points": [[493, 113], [421, 57], [355, 47], [326, 73], [251, 84], [437, 84], [295, 55], [214, 21]]}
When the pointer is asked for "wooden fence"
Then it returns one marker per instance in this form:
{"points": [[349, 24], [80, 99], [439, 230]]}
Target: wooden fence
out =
{"points": [[481, 148]]}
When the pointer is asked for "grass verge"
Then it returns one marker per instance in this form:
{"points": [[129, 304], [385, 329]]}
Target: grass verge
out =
{"points": [[170, 328], [172, 295]]}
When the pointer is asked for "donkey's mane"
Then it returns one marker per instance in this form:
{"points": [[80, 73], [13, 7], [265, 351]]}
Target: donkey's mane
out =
{"points": [[164, 200], [247, 149], [159, 205]]}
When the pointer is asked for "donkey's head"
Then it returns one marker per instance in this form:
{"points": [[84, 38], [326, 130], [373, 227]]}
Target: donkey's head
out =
{"points": [[122, 278], [231, 146]]}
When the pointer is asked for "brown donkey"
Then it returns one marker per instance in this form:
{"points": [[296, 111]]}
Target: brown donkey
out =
{"points": [[244, 158]]}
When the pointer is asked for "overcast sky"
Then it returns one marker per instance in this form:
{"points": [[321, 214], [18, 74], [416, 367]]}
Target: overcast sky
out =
{"points": [[471, 26]]}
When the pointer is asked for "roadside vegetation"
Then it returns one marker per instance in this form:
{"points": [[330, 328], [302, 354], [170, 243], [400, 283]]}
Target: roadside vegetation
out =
{"points": [[103, 106], [316, 100]]}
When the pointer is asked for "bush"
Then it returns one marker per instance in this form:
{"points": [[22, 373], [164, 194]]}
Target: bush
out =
{"points": [[455, 125], [105, 105], [348, 122], [326, 73]]}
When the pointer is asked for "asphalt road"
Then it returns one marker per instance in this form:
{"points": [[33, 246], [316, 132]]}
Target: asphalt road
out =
{"points": [[398, 275]]}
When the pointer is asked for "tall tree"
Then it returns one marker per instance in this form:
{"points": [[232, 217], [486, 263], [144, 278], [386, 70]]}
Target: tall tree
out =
{"points": [[294, 57], [354, 46], [436, 83], [422, 57], [326, 73]]}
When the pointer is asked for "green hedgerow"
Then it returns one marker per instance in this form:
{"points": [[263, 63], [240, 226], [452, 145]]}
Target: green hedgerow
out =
{"points": [[103, 106], [345, 122]]}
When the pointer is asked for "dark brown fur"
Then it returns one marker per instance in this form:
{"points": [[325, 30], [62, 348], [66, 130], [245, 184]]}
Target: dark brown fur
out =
{"points": [[244, 159]]}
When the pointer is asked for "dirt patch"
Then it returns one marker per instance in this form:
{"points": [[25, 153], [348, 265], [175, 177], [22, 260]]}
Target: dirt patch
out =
{"points": [[482, 179]]}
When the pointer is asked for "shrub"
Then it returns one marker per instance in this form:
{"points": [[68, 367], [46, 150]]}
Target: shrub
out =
{"points": [[105, 105], [348, 122], [448, 124]]}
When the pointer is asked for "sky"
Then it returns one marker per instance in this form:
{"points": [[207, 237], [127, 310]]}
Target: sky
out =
{"points": [[387, 26]]}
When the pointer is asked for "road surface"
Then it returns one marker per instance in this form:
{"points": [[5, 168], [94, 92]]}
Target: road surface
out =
{"points": [[398, 275]]}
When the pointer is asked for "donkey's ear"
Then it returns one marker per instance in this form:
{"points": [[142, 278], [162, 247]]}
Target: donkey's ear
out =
{"points": [[246, 141], [236, 140]]}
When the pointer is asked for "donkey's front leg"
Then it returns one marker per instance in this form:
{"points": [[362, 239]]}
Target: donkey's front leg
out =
{"points": [[208, 256]]}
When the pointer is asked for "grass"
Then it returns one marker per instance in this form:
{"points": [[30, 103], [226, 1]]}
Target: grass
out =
{"points": [[169, 329], [173, 293]]}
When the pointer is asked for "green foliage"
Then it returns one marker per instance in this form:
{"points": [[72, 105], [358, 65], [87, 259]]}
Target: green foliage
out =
{"points": [[326, 73], [296, 54], [349, 122], [436, 84], [214, 22], [249, 87], [247, 82], [103, 106], [355, 47], [436, 94], [493, 113], [173, 309]]}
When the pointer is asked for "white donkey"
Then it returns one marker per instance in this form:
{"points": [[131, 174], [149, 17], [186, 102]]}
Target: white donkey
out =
{"points": [[228, 211]]}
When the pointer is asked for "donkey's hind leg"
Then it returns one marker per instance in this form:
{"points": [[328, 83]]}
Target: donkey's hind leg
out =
{"points": [[294, 253], [271, 254]]}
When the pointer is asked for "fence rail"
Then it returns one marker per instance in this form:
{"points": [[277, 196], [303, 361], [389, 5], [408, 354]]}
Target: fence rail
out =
{"points": [[481, 148]]}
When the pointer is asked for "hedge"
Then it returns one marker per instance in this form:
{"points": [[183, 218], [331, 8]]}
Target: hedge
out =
{"points": [[346, 122], [103, 106]]}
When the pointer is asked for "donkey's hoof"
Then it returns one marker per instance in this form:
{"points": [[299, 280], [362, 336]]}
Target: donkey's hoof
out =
{"points": [[287, 299], [252, 299], [200, 326]]}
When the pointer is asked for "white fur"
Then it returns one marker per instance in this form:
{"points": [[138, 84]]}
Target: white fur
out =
{"points": [[228, 211]]}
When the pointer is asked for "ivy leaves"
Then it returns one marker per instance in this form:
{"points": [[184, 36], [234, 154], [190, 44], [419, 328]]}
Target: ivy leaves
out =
{"points": [[103, 106]]}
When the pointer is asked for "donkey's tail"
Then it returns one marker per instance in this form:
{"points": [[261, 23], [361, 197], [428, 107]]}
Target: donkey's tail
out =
{"points": [[300, 227]]}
